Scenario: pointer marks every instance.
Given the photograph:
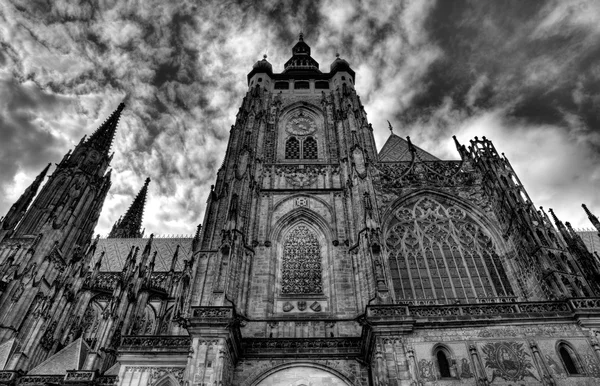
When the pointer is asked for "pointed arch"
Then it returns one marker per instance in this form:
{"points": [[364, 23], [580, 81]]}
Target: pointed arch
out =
{"points": [[302, 269], [301, 125], [298, 215], [166, 380], [441, 249], [257, 380]]}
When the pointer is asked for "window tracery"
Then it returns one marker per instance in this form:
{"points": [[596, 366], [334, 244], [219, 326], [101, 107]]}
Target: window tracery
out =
{"points": [[292, 148], [309, 148], [301, 267], [439, 254]]}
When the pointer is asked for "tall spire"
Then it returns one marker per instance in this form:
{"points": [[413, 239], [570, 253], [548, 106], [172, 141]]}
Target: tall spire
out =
{"points": [[592, 217], [102, 138], [131, 223], [18, 209]]}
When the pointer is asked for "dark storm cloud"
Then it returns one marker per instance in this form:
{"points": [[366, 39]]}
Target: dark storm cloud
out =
{"points": [[516, 71]]}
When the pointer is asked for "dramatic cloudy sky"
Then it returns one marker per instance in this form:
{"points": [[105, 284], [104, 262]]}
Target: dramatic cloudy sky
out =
{"points": [[524, 73]]}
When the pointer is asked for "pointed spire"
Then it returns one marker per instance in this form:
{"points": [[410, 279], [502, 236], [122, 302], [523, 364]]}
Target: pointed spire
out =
{"points": [[19, 208], [196, 241], [152, 263], [146, 253], [174, 261], [561, 227], [593, 219], [130, 224], [102, 138]]}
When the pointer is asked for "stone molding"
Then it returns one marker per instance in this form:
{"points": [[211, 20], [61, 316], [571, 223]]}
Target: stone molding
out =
{"points": [[307, 347], [462, 312]]}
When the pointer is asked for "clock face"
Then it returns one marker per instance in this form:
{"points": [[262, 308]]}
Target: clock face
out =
{"points": [[301, 125], [93, 156]]}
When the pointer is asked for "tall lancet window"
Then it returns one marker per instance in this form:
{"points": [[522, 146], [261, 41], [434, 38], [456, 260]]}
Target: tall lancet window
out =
{"points": [[440, 254], [292, 148], [301, 268], [309, 150]]}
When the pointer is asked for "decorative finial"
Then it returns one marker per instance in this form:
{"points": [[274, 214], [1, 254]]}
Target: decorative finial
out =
{"points": [[301, 37], [265, 56], [337, 54], [390, 127]]}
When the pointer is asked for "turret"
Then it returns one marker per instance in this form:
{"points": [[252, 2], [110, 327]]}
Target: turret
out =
{"points": [[129, 226], [16, 212], [593, 219]]}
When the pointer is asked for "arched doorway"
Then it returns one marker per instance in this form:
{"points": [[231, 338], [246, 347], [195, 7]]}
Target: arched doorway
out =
{"points": [[301, 376]]}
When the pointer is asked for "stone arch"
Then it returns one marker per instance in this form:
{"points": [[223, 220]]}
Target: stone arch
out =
{"points": [[301, 121], [166, 380], [481, 217], [317, 371], [315, 198], [311, 222], [441, 249]]}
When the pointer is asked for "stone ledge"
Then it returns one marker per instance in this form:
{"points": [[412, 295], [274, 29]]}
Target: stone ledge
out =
{"points": [[482, 311], [305, 347]]}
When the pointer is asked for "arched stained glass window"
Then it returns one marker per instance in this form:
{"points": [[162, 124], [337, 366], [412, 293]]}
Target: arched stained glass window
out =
{"points": [[439, 254], [301, 268], [292, 148], [309, 148], [569, 359], [443, 364]]}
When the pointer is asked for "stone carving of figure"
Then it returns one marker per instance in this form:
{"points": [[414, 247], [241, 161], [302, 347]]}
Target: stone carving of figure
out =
{"points": [[465, 369]]}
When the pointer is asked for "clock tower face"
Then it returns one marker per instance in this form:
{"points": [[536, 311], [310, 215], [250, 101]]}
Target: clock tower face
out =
{"points": [[93, 157], [301, 124]]}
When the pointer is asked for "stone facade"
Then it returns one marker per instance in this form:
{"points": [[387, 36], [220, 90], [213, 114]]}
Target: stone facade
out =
{"points": [[320, 261]]}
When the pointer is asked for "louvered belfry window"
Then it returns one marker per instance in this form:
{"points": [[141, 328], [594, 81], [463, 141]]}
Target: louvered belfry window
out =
{"points": [[440, 254], [309, 148], [292, 148], [301, 267]]}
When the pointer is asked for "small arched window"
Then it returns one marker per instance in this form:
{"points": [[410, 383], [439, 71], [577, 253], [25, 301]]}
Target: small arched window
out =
{"points": [[443, 362], [569, 359], [292, 148], [309, 148]]}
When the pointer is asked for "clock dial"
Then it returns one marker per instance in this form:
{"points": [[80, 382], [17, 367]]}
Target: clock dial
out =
{"points": [[301, 125]]}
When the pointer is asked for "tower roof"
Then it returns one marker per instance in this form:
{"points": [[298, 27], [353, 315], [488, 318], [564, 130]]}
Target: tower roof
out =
{"points": [[130, 225], [397, 149], [301, 59], [102, 138]]}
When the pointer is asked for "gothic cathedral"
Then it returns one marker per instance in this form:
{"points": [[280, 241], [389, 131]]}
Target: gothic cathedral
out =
{"points": [[320, 261]]}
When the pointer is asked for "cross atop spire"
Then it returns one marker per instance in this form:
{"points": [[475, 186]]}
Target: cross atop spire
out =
{"points": [[102, 138], [131, 223]]}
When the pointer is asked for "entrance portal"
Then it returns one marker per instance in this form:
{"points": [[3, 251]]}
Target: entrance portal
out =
{"points": [[302, 376]]}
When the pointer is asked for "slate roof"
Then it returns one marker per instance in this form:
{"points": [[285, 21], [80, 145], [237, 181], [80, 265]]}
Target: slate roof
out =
{"points": [[6, 349], [69, 358], [396, 150], [118, 249], [590, 239]]}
